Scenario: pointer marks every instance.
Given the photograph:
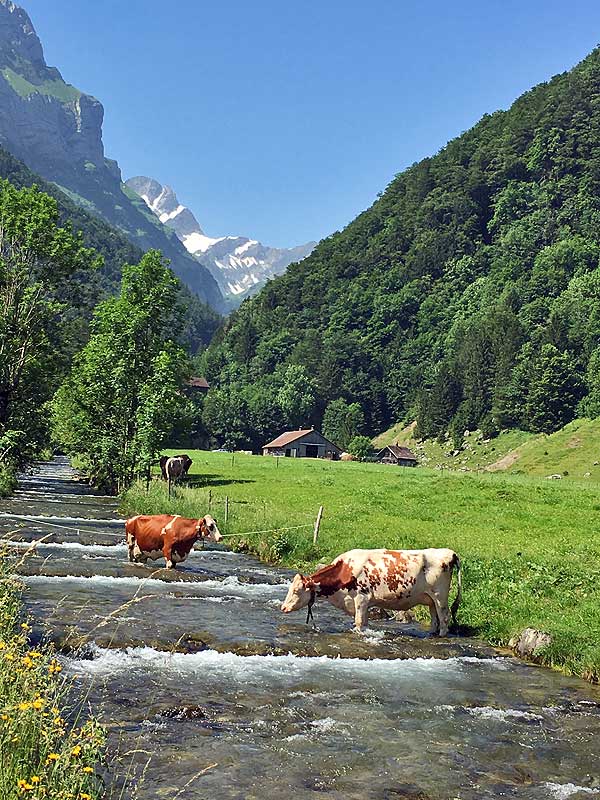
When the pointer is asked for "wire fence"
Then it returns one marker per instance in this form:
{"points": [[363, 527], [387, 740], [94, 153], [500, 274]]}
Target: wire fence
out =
{"points": [[96, 532]]}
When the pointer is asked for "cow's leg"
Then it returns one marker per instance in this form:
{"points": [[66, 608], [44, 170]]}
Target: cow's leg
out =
{"points": [[443, 616], [130, 546], [361, 611], [168, 554], [434, 627]]}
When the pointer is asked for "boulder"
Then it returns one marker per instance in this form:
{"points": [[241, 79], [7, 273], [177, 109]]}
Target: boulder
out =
{"points": [[404, 616], [529, 642]]}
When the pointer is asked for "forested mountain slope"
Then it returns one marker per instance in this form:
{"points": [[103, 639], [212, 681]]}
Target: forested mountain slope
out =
{"points": [[56, 130], [115, 249], [467, 295]]}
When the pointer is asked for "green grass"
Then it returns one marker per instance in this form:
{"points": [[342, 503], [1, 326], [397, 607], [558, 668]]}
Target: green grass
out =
{"points": [[530, 547], [47, 748], [59, 89], [570, 452]]}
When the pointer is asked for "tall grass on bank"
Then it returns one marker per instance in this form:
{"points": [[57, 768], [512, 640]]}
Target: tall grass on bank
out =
{"points": [[8, 480], [530, 547], [46, 749]]}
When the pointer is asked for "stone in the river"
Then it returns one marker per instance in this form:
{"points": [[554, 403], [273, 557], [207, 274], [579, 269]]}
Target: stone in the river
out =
{"points": [[406, 791]]}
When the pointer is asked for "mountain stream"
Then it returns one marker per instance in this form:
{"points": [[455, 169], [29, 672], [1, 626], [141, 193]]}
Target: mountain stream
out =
{"points": [[208, 691]]}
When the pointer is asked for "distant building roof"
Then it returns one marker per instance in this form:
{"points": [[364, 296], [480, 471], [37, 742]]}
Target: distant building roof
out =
{"points": [[287, 437], [399, 452], [199, 383]]}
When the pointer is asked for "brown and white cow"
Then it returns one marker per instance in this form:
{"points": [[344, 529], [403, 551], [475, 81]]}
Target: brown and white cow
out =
{"points": [[168, 536], [393, 579]]}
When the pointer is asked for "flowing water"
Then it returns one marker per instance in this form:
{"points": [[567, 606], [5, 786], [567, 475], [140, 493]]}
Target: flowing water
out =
{"points": [[197, 667]]}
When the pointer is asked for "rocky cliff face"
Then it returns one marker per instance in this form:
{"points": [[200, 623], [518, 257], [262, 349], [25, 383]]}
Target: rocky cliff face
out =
{"points": [[239, 265], [57, 131]]}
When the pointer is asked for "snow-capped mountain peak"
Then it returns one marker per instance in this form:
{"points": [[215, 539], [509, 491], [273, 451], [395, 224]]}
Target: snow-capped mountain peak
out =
{"points": [[239, 265]]}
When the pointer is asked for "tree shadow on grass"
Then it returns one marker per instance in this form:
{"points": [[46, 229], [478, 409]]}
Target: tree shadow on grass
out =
{"points": [[202, 481]]}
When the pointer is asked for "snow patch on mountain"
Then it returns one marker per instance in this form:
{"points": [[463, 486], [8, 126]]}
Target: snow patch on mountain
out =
{"points": [[239, 265]]}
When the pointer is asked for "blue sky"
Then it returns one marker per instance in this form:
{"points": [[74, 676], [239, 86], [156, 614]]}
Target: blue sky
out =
{"points": [[283, 120]]}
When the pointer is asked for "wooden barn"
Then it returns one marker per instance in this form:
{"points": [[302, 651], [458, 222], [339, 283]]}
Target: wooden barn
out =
{"points": [[200, 385], [400, 456], [303, 443]]}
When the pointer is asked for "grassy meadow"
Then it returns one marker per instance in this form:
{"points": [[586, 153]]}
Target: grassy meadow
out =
{"points": [[46, 748], [530, 547], [573, 452]]}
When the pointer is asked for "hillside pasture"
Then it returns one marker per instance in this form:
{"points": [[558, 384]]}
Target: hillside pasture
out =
{"points": [[530, 547], [573, 452]]}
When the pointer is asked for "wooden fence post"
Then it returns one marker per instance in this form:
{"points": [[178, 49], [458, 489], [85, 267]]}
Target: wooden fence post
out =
{"points": [[209, 500], [317, 525], [226, 510]]}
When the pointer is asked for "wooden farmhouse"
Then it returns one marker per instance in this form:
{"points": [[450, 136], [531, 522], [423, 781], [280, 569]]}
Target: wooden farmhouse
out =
{"points": [[302, 444], [200, 385], [400, 456]]}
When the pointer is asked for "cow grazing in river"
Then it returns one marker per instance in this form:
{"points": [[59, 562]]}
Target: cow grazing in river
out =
{"points": [[168, 536], [392, 579]]}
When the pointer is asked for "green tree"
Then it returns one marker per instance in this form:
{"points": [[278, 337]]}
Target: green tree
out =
{"points": [[123, 395], [555, 390], [342, 421], [590, 405], [38, 260], [225, 415], [360, 447], [296, 397]]}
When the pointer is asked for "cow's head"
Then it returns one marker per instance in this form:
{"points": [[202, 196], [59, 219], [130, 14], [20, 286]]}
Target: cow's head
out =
{"points": [[299, 595], [207, 529]]}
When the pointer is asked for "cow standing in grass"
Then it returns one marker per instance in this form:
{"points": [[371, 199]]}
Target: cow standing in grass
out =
{"points": [[175, 468], [392, 579], [187, 463], [167, 535]]}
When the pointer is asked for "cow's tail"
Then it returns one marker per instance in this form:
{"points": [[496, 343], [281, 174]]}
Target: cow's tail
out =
{"points": [[454, 607]]}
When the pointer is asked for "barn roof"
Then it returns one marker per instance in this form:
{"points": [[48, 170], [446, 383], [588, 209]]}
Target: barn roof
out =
{"points": [[287, 437], [399, 452], [198, 383], [292, 436]]}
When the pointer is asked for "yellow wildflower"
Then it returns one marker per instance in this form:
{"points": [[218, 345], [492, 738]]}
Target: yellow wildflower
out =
{"points": [[2, 645], [27, 661], [89, 770], [9, 657], [38, 703], [34, 654], [35, 779], [53, 757], [59, 721], [85, 796], [24, 706], [76, 750], [4, 717]]}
